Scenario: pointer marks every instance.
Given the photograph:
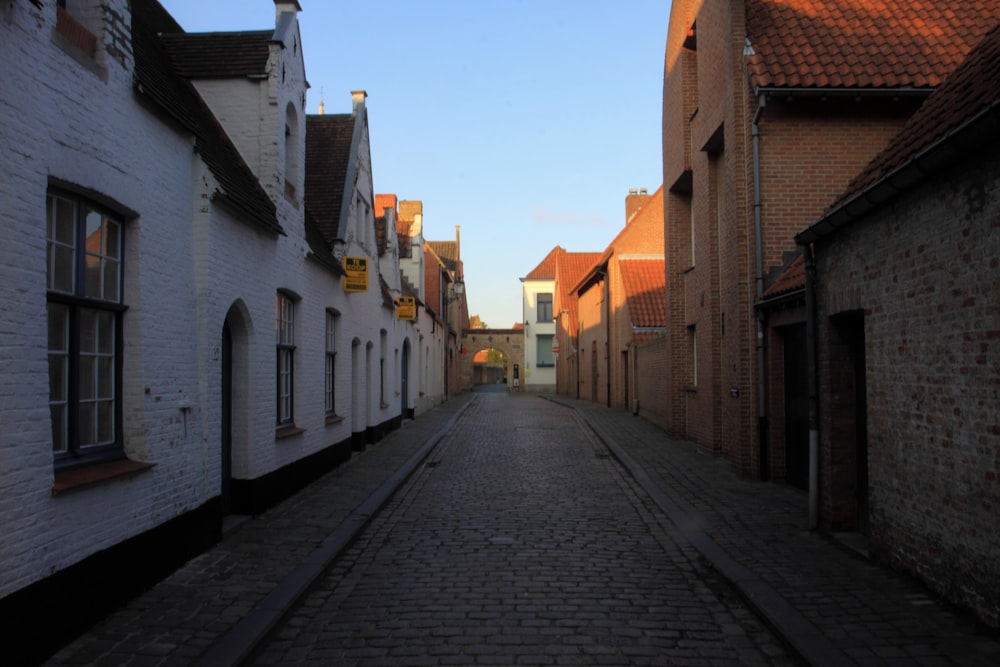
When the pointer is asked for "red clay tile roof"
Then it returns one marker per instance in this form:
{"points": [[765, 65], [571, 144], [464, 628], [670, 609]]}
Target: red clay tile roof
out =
{"points": [[447, 252], [220, 55], [383, 202], [855, 44], [546, 270], [155, 78], [792, 279], [972, 91], [328, 151], [645, 283]]}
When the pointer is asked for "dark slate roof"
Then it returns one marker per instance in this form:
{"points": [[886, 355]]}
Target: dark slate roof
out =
{"points": [[447, 251], [851, 44], [328, 152], [219, 55], [155, 79], [319, 247]]}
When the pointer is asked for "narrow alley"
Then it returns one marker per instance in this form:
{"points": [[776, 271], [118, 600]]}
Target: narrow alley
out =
{"points": [[520, 540]]}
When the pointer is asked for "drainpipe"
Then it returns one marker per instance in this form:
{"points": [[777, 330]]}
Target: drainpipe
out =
{"points": [[811, 361], [762, 423]]}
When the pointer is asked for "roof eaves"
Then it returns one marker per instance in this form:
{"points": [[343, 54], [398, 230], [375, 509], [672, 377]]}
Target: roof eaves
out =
{"points": [[954, 145]]}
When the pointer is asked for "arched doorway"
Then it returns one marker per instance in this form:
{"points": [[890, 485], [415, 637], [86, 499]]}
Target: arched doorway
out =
{"points": [[404, 381], [234, 393]]}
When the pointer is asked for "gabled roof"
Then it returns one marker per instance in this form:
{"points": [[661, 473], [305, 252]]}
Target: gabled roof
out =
{"points": [[851, 44], [960, 117], [328, 153], [447, 252], [156, 80], [546, 270], [319, 248], [645, 283], [220, 55], [792, 279]]}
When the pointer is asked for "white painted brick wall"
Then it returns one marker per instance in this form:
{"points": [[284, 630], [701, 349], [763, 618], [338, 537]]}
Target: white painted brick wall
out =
{"points": [[187, 262]]}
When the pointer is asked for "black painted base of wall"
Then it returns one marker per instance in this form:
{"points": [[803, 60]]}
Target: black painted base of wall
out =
{"points": [[43, 617], [253, 496], [38, 620]]}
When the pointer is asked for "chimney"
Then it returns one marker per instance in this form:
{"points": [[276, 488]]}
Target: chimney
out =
{"points": [[458, 250], [636, 199], [358, 100], [282, 6]]}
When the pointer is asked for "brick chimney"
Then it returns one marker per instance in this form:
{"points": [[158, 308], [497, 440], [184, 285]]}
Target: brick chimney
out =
{"points": [[636, 199]]}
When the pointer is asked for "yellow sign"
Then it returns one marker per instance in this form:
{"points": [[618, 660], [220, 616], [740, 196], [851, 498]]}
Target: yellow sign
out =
{"points": [[406, 308], [356, 279]]}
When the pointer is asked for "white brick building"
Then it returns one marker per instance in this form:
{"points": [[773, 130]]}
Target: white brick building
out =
{"points": [[177, 342]]}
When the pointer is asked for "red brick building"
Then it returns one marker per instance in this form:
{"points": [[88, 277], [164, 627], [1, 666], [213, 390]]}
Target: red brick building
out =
{"points": [[906, 281], [770, 108], [620, 303]]}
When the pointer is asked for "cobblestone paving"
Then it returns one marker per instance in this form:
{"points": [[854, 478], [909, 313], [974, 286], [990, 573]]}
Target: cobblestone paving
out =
{"points": [[521, 541], [874, 616]]}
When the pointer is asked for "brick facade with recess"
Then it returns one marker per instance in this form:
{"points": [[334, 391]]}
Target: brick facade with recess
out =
{"points": [[810, 141], [907, 268]]}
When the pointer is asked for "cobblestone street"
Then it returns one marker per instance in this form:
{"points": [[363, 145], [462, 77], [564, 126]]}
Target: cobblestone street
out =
{"points": [[520, 540]]}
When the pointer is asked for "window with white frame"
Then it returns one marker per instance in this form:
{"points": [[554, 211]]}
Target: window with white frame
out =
{"points": [[284, 333], [545, 356], [331, 361], [545, 307], [84, 254]]}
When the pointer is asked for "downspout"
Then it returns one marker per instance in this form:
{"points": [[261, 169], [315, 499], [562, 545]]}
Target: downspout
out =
{"points": [[811, 362], [762, 416]]}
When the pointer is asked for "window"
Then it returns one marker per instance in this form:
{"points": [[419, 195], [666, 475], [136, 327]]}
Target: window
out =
{"points": [[331, 361], [545, 307], [284, 333], [545, 356], [84, 255]]}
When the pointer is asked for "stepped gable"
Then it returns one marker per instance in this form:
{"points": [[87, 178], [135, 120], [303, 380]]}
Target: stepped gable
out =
{"points": [[851, 44]]}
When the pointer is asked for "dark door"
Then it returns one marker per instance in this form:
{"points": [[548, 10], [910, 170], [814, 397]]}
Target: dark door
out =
{"points": [[796, 406], [404, 384], [227, 419]]}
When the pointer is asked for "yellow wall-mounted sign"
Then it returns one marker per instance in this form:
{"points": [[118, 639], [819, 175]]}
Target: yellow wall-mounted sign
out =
{"points": [[356, 279], [406, 308]]}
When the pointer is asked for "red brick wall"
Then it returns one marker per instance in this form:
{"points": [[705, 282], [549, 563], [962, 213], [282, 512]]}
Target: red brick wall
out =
{"points": [[924, 276], [809, 149], [651, 362]]}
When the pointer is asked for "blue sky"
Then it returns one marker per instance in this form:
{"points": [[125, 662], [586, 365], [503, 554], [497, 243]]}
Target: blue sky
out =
{"points": [[524, 121]]}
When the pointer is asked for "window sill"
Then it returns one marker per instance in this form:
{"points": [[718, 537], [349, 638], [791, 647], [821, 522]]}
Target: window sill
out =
{"points": [[78, 478], [288, 432], [333, 419]]}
